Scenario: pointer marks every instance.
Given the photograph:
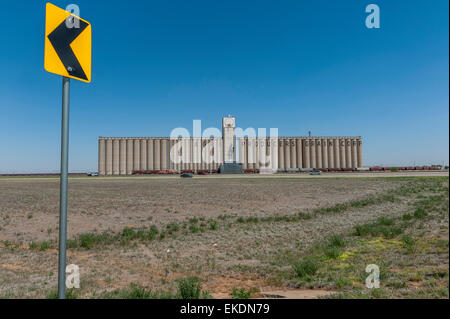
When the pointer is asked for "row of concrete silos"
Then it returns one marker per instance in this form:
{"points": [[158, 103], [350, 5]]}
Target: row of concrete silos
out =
{"points": [[296, 152], [122, 156]]}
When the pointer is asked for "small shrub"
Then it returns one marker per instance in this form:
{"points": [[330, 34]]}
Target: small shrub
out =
{"points": [[342, 282], [407, 216], [331, 252], [420, 213], [305, 268], [44, 245], [194, 229], [213, 224], [189, 288], [336, 240], [241, 293]]}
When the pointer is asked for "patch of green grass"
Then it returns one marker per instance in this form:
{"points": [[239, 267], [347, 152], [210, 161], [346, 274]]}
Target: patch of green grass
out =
{"points": [[305, 268], [383, 226], [193, 220], [420, 213], [242, 293], [213, 224], [44, 245], [134, 291], [191, 288], [194, 229], [409, 243]]}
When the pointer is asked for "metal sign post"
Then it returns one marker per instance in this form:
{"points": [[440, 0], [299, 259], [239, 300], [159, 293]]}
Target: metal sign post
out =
{"points": [[67, 53], [63, 188]]}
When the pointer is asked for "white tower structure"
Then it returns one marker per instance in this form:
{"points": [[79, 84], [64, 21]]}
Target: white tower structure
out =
{"points": [[228, 128]]}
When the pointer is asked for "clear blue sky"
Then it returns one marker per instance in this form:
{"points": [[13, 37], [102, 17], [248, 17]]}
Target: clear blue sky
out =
{"points": [[296, 65]]}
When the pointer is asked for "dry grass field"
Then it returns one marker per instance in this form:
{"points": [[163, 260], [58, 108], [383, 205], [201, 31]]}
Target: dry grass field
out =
{"points": [[231, 237]]}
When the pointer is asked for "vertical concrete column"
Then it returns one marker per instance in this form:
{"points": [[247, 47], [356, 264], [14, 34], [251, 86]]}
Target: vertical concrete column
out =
{"points": [[274, 153], [287, 153], [194, 154], [254, 149], [312, 144], [109, 157], [137, 154], [354, 153], [217, 153], [101, 157], [325, 153], [293, 153], [144, 154], [246, 166], [306, 152], [252, 152], [221, 155], [170, 144], [187, 145], [191, 153], [123, 157], [337, 153], [116, 157], [262, 152], [256, 152], [299, 153], [157, 154], [164, 153], [360, 154], [348, 155], [241, 151], [342, 153], [331, 153], [130, 156], [199, 153], [319, 153], [150, 155], [249, 153], [202, 162], [281, 163]]}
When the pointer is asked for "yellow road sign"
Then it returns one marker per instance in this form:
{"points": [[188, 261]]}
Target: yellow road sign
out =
{"points": [[67, 44]]}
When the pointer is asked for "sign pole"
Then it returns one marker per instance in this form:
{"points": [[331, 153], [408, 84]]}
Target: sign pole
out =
{"points": [[63, 189]]}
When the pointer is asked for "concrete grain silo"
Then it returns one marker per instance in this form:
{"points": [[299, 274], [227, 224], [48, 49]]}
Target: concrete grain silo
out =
{"points": [[319, 153], [122, 156], [306, 152], [287, 153], [312, 148], [157, 153], [348, 153], [325, 153], [354, 154], [299, 148], [331, 153], [101, 157], [109, 157], [143, 145], [293, 153], [360, 154], [342, 153], [281, 163], [116, 157], [150, 154]]}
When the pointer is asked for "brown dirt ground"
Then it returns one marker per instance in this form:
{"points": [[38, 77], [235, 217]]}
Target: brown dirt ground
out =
{"points": [[225, 258]]}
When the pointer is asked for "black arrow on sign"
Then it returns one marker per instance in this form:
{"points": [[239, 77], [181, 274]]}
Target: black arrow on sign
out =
{"points": [[61, 38]]}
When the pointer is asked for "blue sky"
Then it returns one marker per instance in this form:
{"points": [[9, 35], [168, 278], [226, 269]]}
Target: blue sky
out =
{"points": [[295, 65]]}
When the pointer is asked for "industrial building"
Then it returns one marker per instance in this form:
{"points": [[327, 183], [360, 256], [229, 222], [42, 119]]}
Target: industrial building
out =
{"points": [[126, 155]]}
